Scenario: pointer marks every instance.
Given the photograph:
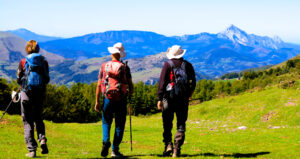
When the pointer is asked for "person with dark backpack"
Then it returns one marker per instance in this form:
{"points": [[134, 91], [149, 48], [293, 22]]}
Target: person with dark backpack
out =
{"points": [[115, 85], [176, 85], [33, 76]]}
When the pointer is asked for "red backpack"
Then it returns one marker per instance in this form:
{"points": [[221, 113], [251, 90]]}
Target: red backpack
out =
{"points": [[114, 81]]}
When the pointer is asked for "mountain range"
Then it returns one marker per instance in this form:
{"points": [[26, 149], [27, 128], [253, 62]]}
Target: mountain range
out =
{"points": [[212, 55], [29, 35]]}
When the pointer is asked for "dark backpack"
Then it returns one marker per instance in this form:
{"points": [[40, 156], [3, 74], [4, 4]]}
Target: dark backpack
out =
{"points": [[34, 72], [179, 81]]}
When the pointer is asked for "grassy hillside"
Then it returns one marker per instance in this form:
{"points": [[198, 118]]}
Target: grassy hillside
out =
{"points": [[284, 63], [271, 117]]}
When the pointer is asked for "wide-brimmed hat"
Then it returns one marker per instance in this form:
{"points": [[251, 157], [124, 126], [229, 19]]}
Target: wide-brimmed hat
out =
{"points": [[175, 52], [118, 48]]}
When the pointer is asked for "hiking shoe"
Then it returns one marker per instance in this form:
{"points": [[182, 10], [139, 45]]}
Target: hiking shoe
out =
{"points": [[44, 146], [168, 149], [105, 148], [31, 154], [116, 154], [176, 152]]}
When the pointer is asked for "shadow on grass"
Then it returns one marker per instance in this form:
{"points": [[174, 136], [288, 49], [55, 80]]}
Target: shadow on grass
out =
{"points": [[125, 157], [234, 155]]}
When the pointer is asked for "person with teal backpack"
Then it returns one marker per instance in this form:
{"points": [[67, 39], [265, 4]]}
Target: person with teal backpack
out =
{"points": [[33, 76]]}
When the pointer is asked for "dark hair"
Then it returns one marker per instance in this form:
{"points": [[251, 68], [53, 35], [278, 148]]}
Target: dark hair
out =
{"points": [[32, 47]]}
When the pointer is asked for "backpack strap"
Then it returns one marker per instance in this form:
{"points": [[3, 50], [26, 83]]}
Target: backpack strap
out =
{"points": [[171, 63], [183, 64]]}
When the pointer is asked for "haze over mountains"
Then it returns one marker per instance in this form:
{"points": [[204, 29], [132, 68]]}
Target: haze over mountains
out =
{"points": [[212, 55]]}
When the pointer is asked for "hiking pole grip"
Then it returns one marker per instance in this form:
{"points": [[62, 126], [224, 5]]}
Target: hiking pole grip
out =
{"points": [[10, 104]]}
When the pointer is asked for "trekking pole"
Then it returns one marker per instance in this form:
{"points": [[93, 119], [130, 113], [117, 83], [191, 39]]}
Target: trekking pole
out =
{"points": [[6, 109], [130, 124], [9, 105]]}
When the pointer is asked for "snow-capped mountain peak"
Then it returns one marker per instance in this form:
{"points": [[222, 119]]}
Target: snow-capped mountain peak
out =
{"points": [[239, 36]]}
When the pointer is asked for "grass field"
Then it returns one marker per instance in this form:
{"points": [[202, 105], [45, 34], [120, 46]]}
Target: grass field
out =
{"points": [[271, 118]]}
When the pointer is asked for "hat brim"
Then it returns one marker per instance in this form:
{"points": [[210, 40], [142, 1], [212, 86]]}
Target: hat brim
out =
{"points": [[169, 56], [114, 50]]}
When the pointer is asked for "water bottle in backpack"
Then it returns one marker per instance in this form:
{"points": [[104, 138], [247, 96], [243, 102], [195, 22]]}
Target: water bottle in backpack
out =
{"points": [[179, 81]]}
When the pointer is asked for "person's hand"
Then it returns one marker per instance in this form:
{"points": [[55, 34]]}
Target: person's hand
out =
{"points": [[159, 105], [97, 107]]}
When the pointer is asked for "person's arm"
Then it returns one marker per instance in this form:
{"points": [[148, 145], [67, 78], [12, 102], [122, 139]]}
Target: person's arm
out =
{"points": [[98, 91], [162, 85], [20, 72], [129, 80], [46, 72], [192, 80], [130, 85]]}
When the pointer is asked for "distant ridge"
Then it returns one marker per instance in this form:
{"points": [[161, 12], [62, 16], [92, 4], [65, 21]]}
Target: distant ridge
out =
{"points": [[29, 35]]}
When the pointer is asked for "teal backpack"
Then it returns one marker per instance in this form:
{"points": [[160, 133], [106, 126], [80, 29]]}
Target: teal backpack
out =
{"points": [[34, 72]]}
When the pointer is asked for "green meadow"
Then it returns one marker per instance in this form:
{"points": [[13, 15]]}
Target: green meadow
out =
{"points": [[255, 124]]}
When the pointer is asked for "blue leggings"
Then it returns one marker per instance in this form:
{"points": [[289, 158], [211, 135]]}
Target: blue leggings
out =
{"points": [[117, 109]]}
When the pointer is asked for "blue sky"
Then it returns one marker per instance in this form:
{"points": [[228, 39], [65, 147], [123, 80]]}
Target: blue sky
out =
{"points": [[69, 18]]}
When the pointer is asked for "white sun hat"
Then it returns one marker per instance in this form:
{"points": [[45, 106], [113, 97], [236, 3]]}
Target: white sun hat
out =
{"points": [[175, 52], [118, 48]]}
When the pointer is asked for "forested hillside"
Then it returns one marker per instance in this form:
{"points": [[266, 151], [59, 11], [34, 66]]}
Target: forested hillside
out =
{"points": [[76, 103]]}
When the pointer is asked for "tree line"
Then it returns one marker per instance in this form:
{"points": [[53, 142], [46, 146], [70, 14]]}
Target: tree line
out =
{"points": [[76, 103]]}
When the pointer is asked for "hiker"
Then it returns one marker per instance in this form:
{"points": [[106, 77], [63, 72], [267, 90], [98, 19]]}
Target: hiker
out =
{"points": [[115, 84], [176, 85], [32, 76]]}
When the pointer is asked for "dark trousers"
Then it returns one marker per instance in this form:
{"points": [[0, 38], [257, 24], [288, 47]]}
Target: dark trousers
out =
{"points": [[31, 111], [117, 109], [180, 108]]}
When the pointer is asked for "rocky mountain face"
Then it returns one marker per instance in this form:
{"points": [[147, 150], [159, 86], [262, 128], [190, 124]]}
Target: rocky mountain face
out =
{"points": [[239, 36]]}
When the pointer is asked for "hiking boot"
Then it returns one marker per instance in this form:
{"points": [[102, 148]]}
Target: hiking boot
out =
{"points": [[168, 149], [31, 154], [176, 152], [105, 148], [44, 146], [116, 154]]}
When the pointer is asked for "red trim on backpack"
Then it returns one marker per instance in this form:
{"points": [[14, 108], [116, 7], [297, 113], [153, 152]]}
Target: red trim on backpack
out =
{"points": [[172, 78], [23, 63]]}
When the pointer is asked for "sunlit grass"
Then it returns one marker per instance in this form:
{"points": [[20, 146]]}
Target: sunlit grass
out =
{"points": [[271, 118]]}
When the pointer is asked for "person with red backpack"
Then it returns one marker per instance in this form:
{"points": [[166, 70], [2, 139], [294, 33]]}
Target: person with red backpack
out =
{"points": [[33, 76], [176, 85], [115, 85]]}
